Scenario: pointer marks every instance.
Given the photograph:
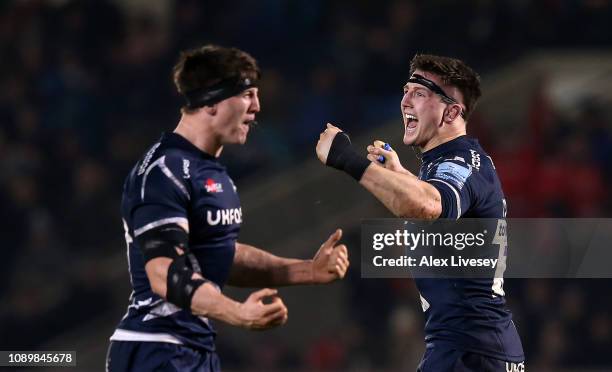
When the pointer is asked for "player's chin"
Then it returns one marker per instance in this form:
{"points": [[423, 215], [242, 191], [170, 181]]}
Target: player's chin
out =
{"points": [[236, 139], [242, 135], [410, 138], [410, 135], [242, 139]]}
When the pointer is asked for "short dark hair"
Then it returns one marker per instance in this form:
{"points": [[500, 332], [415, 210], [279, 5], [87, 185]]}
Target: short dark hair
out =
{"points": [[206, 66], [453, 72]]}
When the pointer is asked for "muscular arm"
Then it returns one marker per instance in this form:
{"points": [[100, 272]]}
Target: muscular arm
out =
{"points": [[254, 267], [402, 193], [207, 300], [210, 302]]}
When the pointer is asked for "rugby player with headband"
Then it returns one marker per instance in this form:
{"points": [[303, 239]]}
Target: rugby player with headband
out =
{"points": [[216, 93], [467, 327], [182, 216]]}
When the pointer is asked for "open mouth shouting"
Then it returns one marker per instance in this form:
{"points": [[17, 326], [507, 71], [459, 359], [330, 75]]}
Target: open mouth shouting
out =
{"points": [[410, 122], [250, 122]]}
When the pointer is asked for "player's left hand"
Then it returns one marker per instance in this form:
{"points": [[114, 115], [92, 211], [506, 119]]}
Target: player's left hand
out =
{"points": [[391, 160], [325, 140], [331, 261]]}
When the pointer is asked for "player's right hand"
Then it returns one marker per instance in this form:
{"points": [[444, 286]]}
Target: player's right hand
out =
{"points": [[392, 162], [257, 315], [325, 141]]}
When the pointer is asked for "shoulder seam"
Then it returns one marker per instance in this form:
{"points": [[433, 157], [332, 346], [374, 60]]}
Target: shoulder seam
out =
{"points": [[161, 162]]}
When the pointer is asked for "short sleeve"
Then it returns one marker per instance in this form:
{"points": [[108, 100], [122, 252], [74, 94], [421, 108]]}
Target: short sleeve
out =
{"points": [[451, 178], [164, 195]]}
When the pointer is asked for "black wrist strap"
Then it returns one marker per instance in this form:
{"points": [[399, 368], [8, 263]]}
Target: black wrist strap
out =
{"points": [[180, 287], [343, 157]]}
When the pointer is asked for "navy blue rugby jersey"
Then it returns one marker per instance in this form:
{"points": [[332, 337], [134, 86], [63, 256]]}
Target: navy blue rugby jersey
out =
{"points": [[468, 314], [176, 182]]}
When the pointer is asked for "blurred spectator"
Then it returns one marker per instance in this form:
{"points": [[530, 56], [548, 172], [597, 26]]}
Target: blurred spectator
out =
{"points": [[86, 86]]}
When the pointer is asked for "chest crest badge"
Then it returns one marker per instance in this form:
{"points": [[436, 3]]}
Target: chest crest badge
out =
{"points": [[213, 186]]}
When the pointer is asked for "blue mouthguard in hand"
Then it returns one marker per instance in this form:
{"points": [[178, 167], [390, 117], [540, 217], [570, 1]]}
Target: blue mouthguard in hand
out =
{"points": [[381, 159]]}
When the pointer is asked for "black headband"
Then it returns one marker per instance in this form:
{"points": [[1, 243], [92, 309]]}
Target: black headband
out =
{"points": [[422, 80], [214, 94]]}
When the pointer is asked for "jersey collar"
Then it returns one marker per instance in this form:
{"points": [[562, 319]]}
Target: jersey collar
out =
{"points": [[459, 143], [176, 140]]}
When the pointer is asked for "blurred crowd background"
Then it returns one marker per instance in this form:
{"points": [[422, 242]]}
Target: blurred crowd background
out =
{"points": [[85, 87]]}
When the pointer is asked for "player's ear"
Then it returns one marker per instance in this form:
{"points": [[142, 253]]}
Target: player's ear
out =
{"points": [[451, 113], [210, 110]]}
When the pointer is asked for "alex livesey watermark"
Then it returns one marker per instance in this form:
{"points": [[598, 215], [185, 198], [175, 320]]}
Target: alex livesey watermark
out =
{"points": [[486, 248]]}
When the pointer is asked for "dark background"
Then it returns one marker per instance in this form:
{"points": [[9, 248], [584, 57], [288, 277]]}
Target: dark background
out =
{"points": [[85, 87]]}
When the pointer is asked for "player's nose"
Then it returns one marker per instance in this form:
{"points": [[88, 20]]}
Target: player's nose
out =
{"points": [[406, 101], [255, 105]]}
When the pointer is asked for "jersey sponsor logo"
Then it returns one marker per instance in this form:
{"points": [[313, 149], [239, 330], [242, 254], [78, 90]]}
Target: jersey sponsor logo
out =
{"points": [[213, 186], [186, 169], [454, 172], [224, 216], [475, 159], [515, 367], [147, 159]]}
